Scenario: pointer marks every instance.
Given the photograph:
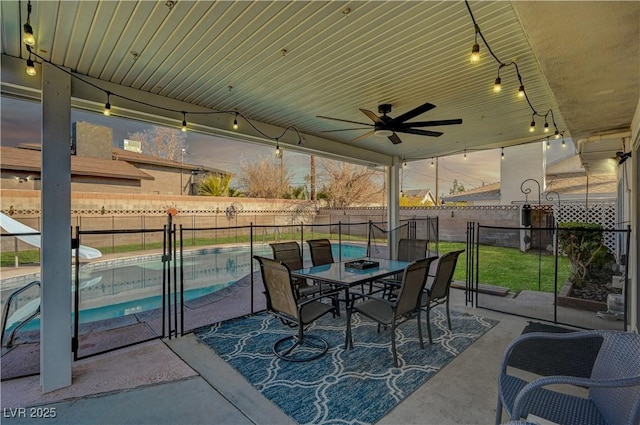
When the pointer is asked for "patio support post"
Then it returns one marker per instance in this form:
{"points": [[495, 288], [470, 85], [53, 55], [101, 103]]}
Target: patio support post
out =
{"points": [[634, 266], [393, 202], [55, 269]]}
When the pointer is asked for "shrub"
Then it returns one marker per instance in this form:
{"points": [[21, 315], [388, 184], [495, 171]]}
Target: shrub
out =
{"points": [[583, 244]]}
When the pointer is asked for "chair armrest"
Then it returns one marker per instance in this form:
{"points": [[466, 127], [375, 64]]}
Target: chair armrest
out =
{"points": [[329, 294], [526, 391], [355, 297]]}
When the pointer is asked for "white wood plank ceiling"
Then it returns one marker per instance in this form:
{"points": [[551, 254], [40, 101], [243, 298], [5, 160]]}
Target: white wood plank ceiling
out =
{"points": [[284, 63]]}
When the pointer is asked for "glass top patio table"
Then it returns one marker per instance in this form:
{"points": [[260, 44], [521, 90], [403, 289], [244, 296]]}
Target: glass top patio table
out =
{"points": [[338, 274]]}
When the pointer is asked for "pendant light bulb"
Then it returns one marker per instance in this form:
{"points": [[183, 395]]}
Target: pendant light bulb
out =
{"points": [[548, 144], [235, 122], [432, 162], [107, 106], [557, 134], [184, 121], [465, 154], [31, 68], [521, 92], [532, 126], [475, 53], [27, 35], [546, 127], [502, 153], [563, 145], [497, 87]]}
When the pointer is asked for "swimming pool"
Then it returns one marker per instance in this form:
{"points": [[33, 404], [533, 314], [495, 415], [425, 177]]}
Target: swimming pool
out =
{"points": [[117, 288]]}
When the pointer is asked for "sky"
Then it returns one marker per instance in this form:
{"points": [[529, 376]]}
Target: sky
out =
{"points": [[478, 168]]}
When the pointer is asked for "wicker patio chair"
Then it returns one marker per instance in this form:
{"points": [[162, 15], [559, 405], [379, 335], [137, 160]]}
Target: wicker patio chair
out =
{"points": [[391, 313], [295, 312], [613, 387]]}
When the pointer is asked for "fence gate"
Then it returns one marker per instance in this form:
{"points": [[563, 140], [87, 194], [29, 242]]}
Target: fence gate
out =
{"points": [[558, 282]]}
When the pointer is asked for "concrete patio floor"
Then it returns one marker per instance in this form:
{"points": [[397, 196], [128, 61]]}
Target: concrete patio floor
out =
{"points": [[181, 381]]}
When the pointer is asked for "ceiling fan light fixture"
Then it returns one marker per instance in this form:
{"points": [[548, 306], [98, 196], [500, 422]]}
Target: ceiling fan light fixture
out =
{"points": [[383, 133]]}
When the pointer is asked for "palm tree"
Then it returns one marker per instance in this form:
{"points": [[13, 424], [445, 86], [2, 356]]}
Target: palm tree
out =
{"points": [[215, 185]]}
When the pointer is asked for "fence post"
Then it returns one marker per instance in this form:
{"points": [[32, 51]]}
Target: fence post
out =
{"points": [[251, 261]]}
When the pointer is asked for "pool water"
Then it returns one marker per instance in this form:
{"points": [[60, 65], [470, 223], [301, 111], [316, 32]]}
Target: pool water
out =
{"points": [[119, 288]]}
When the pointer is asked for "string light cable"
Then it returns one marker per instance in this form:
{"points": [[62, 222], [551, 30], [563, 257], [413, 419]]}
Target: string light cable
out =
{"points": [[522, 93], [110, 95]]}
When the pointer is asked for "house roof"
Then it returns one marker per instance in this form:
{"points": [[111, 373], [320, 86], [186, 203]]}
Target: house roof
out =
{"points": [[487, 192], [130, 156], [18, 159], [564, 184]]}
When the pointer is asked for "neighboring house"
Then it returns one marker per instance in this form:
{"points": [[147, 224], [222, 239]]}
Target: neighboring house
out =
{"points": [[566, 177], [99, 167], [421, 196]]}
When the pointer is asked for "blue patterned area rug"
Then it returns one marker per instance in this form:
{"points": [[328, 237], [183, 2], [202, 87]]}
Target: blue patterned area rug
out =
{"points": [[357, 386]]}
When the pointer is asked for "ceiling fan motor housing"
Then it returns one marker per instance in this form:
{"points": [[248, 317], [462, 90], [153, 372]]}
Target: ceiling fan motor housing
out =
{"points": [[385, 108]]}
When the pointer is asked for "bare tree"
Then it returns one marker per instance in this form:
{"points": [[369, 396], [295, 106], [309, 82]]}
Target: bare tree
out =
{"points": [[265, 179], [162, 142], [350, 184]]}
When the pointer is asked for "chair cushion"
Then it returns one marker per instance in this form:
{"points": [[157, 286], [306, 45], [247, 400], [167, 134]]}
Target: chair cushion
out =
{"points": [[556, 407], [375, 309], [313, 310]]}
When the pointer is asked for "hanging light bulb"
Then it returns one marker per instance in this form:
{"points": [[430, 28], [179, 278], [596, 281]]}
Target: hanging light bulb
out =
{"points": [[546, 127], [278, 152], [432, 161], [235, 122], [184, 121], [497, 87], [532, 126], [107, 106], [475, 53], [502, 153], [521, 92], [31, 67], [557, 134], [563, 145], [404, 164], [548, 144], [27, 35], [475, 50], [465, 154], [27, 30]]}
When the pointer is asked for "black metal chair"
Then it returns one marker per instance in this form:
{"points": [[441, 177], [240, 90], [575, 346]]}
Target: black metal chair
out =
{"points": [[294, 312], [320, 251], [438, 291], [289, 253], [391, 313]]}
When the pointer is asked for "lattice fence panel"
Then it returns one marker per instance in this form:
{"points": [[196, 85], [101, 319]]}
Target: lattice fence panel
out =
{"points": [[603, 214]]}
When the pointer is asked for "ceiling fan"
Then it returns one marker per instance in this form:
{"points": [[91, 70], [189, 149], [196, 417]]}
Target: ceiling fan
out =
{"points": [[385, 126]]}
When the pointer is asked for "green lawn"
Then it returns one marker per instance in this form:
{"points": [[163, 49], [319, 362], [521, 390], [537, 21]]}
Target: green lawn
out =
{"points": [[510, 268]]}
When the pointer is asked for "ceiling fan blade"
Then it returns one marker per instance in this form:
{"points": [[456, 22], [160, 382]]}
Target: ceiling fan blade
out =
{"points": [[373, 117], [429, 123], [341, 120], [364, 136], [395, 139], [412, 113], [344, 129], [420, 132]]}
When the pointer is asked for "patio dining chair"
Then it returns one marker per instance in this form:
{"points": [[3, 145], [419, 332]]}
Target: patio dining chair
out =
{"points": [[294, 312], [437, 290], [320, 251], [613, 386], [392, 313], [289, 253], [408, 250]]}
